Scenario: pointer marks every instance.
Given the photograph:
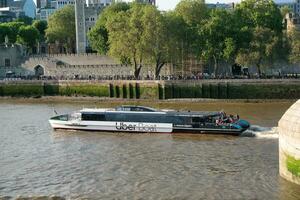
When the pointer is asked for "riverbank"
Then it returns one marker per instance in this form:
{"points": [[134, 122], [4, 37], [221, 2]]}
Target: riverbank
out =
{"points": [[157, 90], [81, 99]]}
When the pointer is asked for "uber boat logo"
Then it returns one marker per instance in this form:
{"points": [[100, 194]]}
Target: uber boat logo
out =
{"points": [[136, 127]]}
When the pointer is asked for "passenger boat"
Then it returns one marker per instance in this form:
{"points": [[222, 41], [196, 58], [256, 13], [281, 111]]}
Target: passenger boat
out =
{"points": [[141, 119]]}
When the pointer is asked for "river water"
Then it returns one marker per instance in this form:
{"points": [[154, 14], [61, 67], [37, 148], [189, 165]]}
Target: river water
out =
{"points": [[36, 161]]}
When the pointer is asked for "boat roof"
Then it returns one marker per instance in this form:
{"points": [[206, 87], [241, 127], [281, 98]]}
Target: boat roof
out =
{"points": [[194, 114], [148, 110]]}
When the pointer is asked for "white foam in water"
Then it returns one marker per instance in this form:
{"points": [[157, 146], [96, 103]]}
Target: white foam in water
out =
{"points": [[261, 132]]}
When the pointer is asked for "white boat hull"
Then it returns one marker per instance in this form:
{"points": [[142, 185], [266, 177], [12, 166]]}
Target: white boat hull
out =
{"points": [[137, 127]]}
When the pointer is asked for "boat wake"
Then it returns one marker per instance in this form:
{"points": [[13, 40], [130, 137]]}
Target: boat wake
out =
{"points": [[261, 132]]}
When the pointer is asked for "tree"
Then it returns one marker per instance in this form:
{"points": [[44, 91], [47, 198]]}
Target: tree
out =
{"points": [[126, 37], [263, 41], [4, 31], [61, 28], [41, 26], [25, 19], [10, 29], [194, 13], [176, 30], [155, 38], [98, 35], [218, 34], [260, 13], [263, 49], [294, 40], [28, 35]]}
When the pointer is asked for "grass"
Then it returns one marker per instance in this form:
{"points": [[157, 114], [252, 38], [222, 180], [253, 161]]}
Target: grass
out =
{"points": [[293, 165]]}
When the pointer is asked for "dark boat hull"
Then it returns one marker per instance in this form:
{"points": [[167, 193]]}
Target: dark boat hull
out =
{"points": [[213, 132]]}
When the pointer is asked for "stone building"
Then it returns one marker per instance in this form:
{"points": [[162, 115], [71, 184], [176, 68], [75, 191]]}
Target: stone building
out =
{"points": [[292, 21], [3, 3], [86, 15], [84, 66], [7, 15], [46, 8], [11, 57], [28, 7]]}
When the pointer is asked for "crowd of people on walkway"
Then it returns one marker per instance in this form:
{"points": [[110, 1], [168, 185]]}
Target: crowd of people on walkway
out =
{"points": [[201, 76]]}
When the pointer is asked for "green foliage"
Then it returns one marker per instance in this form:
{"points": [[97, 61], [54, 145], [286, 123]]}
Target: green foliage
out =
{"points": [[192, 11], [194, 15], [28, 35], [218, 45], [263, 49], [98, 35], [10, 29], [61, 27], [22, 90], [51, 89], [41, 26], [148, 91], [4, 31], [293, 165], [260, 13], [84, 90], [294, 41], [126, 36], [155, 38], [232, 91], [137, 33], [25, 19]]}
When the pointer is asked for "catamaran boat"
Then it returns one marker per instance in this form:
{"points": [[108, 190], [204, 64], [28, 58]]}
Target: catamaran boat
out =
{"points": [[139, 119]]}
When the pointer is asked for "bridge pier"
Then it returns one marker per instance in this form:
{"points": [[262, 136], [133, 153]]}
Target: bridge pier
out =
{"points": [[289, 144]]}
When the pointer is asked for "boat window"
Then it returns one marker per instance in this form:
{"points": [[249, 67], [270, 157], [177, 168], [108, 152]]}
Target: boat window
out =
{"points": [[92, 117], [197, 120], [118, 117], [145, 118]]}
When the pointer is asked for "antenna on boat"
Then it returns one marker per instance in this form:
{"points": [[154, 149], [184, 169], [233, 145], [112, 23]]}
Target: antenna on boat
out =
{"points": [[54, 110]]}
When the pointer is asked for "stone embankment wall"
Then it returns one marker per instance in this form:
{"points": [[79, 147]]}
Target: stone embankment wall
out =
{"points": [[216, 89], [83, 66], [289, 144]]}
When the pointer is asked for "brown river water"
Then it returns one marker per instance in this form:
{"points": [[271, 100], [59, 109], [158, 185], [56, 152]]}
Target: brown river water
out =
{"points": [[36, 161]]}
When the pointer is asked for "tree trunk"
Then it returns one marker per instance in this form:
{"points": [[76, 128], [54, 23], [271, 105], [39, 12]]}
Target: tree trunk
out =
{"points": [[137, 70], [215, 65], [158, 68], [259, 67], [259, 70]]}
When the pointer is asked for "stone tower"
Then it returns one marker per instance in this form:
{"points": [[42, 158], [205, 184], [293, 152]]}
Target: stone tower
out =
{"points": [[80, 26]]}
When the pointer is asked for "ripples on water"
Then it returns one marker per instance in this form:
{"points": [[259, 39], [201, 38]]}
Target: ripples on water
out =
{"points": [[36, 161]]}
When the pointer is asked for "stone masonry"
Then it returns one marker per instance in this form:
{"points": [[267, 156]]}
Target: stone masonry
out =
{"points": [[86, 15], [80, 26], [84, 66], [289, 144]]}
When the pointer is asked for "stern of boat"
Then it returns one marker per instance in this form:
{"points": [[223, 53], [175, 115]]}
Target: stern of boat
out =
{"points": [[242, 124]]}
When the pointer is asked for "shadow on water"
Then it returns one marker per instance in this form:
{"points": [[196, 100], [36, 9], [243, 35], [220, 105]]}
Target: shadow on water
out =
{"points": [[59, 134], [288, 190], [254, 131]]}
